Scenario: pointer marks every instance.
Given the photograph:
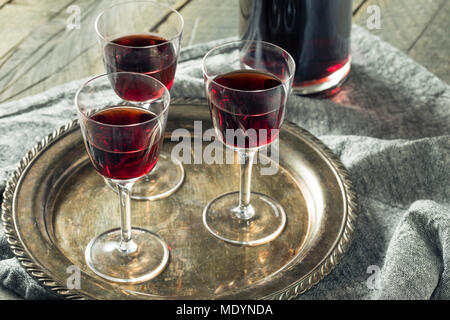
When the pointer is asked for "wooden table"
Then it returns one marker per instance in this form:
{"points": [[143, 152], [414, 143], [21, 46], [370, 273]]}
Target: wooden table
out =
{"points": [[38, 52]]}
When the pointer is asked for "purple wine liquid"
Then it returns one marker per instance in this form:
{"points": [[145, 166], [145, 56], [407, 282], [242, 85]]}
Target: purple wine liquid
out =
{"points": [[126, 152], [142, 53]]}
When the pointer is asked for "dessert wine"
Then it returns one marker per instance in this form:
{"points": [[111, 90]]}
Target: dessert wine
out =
{"points": [[247, 107]]}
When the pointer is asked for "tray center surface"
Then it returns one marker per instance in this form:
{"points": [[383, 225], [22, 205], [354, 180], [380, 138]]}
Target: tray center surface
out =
{"points": [[200, 265]]}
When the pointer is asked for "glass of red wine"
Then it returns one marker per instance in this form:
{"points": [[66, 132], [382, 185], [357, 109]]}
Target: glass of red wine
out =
{"points": [[122, 118], [145, 37], [247, 86]]}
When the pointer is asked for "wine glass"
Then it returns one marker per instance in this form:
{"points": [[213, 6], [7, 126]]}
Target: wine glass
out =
{"points": [[247, 85], [122, 118], [144, 37]]}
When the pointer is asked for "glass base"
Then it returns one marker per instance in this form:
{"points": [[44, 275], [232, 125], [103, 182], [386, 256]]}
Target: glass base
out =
{"points": [[325, 87], [225, 221], [146, 258], [165, 178]]}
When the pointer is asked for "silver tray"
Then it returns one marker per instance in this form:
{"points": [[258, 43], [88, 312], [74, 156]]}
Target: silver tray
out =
{"points": [[55, 203]]}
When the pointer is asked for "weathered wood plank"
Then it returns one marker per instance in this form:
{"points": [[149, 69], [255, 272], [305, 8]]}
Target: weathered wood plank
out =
{"points": [[3, 3], [20, 22], [48, 50], [357, 4], [47, 8], [432, 49], [22, 17], [48, 57], [402, 21], [88, 60]]}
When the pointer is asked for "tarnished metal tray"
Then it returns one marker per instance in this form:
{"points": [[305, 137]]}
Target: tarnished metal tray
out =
{"points": [[55, 203]]}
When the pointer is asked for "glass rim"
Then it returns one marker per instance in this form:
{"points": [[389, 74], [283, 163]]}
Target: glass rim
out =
{"points": [[177, 36], [236, 42], [94, 78]]}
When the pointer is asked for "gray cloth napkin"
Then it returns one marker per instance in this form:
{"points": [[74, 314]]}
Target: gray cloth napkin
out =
{"points": [[390, 127]]}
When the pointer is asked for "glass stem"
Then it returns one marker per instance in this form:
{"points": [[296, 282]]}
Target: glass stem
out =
{"points": [[126, 244], [245, 210]]}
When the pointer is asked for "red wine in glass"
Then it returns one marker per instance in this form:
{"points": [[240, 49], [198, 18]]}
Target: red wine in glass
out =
{"points": [[142, 53], [250, 105], [126, 144]]}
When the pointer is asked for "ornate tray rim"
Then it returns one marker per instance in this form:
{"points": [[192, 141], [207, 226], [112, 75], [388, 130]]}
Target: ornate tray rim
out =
{"points": [[290, 292]]}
